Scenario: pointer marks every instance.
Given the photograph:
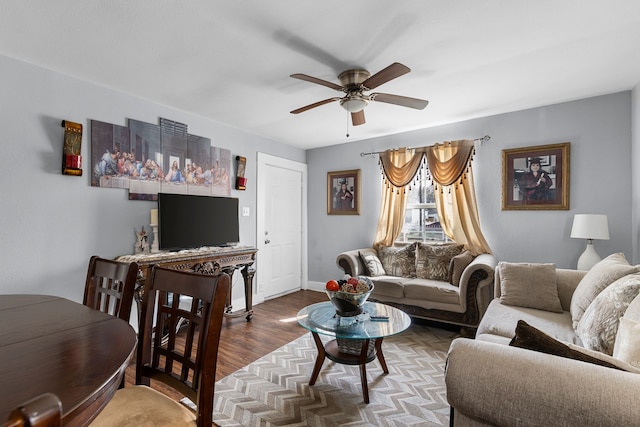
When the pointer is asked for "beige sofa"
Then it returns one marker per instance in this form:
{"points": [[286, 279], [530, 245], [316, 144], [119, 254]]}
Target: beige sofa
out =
{"points": [[460, 298], [490, 382]]}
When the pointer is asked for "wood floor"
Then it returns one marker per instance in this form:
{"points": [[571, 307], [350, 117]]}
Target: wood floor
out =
{"points": [[273, 325]]}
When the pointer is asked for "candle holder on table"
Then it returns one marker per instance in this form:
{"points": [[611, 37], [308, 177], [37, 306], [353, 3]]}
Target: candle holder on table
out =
{"points": [[154, 244], [154, 227]]}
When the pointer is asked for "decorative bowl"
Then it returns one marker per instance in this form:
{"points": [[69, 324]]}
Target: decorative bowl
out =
{"points": [[349, 304]]}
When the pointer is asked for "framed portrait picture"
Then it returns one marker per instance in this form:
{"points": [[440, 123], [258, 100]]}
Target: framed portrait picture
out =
{"points": [[536, 177], [343, 192]]}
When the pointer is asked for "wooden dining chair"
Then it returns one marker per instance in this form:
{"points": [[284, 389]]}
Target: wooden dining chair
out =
{"points": [[184, 360], [42, 411], [110, 286]]}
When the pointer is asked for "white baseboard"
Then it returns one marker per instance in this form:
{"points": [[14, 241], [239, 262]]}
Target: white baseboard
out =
{"points": [[316, 286]]}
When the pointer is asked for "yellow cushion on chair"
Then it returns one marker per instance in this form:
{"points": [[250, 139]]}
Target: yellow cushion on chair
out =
{"points": [[142, 406]]}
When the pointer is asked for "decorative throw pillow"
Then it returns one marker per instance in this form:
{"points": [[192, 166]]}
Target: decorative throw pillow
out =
{"points": [[529, 285], [599, 324], [627, 346], [457, 265], [372, 264], [432, 261], [398, 260], [530, 338], [633, 311], [599, 277]]}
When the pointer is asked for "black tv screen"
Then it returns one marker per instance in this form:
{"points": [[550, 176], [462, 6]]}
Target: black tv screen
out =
{"points": [[188, 222]]}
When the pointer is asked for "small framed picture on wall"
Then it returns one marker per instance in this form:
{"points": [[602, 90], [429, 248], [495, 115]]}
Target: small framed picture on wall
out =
{"points": [[536, 177], [343, 192]]}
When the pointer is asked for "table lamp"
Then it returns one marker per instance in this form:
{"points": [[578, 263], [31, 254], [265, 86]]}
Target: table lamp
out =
{"points": [[587, 226]]}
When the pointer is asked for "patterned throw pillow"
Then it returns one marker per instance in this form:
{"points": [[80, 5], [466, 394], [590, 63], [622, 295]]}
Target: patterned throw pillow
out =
{"points": [[372, 264], [432, 261], [398, 260], [599, 325], [599, 277], [627, 346]]}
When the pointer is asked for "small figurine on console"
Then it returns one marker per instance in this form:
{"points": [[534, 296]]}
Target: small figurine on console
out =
{"points": [[142, 242]]}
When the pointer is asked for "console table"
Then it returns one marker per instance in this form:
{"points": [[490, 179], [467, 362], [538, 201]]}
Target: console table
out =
{"points": [[205, 261]]}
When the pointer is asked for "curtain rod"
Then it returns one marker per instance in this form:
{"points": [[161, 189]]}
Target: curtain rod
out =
{"points": [[480, 140]]}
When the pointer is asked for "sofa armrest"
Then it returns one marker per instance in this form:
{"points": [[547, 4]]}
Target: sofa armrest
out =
{"points": [[476, 285], [502, 385], [484, 262], [350, 261]]}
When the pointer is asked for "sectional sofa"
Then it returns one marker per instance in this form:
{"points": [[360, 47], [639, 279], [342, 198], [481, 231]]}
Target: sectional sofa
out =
{"points": [[555, 348]]}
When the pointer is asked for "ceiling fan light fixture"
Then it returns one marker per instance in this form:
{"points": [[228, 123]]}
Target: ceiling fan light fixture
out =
{"points": [[354, 104]]}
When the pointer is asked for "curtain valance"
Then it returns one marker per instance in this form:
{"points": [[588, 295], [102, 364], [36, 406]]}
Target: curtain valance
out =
{"points": [[449, 161], [400, 166], [446, 162]]}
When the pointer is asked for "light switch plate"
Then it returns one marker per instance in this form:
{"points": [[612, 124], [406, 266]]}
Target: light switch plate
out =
{"points": [[245, 211]]}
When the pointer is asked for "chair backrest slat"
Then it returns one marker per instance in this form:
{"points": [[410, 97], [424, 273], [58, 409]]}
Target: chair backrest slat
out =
{"points": [[110, 286], [184, 358]]}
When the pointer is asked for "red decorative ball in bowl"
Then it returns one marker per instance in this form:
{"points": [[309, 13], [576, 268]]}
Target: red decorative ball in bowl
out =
{"points": [[350, 296]]}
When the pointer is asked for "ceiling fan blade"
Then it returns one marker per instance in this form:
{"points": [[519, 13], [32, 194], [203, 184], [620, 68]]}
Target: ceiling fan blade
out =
{"points": [[404, 101], [316, 80], [314, 105], [357, 118], [391, 72]]}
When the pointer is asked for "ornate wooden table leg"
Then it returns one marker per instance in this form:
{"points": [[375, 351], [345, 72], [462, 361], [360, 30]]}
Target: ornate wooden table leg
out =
{"points": [[319, 359], [228, 308], [247, 273]]}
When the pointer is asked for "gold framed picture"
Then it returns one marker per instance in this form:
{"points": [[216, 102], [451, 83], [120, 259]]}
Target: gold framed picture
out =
{"points": [[343, 192], [536, 177]]}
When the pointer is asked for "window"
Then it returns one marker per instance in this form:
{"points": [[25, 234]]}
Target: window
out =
{"points": [[421, 218]]}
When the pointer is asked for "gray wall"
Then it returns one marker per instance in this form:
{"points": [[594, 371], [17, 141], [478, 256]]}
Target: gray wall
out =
{"points": [[599, 130], [52, 223]]}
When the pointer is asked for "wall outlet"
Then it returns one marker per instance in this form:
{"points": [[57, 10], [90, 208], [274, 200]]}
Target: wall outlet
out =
{"points": [[245, 211]]}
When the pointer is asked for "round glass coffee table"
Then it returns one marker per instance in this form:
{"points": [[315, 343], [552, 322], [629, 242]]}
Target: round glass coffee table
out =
{"points": [[358, 339]]}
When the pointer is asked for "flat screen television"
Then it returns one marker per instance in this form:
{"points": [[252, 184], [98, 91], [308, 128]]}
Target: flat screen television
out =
{"points": [[188, 221]]}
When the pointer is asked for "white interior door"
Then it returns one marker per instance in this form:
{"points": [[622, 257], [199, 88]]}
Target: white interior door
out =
{"points": [[281, 266]]}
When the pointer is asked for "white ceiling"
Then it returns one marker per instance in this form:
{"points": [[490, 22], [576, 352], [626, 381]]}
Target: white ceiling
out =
{"points": [[231, 60]]}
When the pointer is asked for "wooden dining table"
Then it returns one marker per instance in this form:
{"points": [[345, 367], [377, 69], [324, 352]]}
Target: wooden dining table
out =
{"points": [[52, 344]]}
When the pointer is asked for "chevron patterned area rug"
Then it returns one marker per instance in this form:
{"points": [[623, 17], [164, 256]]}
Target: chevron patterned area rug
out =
{"points": [[275, 391]]}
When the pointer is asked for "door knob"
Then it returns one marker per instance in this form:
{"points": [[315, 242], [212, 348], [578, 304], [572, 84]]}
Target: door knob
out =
{"points": [[267, 241]]}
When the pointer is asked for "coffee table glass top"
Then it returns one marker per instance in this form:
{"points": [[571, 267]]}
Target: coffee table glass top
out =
{"points": [[321, 318]]}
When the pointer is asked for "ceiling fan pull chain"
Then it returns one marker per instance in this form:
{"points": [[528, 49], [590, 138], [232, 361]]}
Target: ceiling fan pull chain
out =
{"points": [[347, 124]]}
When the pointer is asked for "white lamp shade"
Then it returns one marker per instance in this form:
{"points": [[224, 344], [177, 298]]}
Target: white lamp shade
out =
{"points": [[588, 226]]}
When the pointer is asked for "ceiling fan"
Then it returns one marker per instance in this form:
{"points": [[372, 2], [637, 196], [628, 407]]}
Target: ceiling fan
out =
{"points": [[354, 83]]}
